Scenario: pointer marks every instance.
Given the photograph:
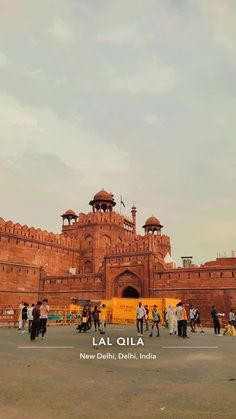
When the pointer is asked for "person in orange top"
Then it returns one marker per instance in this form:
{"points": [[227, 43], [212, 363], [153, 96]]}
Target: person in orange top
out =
{"points": [[185, 322]]}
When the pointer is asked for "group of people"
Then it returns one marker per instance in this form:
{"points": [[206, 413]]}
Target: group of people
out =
{"points": [[98, 316], [142, 315], [176, 319], [217, 322], [35, 316]]}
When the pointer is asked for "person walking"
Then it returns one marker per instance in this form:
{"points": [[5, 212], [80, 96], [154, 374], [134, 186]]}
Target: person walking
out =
{"points": [[146, 317], [140, 315], [36, 322], [44, 310], [103, 312], [155, 320], [192, 313], [197, 320], [180, 318]]}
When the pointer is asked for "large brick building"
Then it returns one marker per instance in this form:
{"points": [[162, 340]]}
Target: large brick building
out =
{"points": [[99, 255]]}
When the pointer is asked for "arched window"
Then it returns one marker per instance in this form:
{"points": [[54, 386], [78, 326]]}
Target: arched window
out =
{"points": [[88, 267], [107, 239], [88, 240]]}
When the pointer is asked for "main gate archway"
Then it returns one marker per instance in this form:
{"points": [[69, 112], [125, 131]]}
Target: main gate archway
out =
{"points": [[130, 292], [127, 285]]}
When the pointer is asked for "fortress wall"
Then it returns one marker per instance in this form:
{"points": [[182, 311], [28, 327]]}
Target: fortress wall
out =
{"points": [[60, 289], [18, 282], [203, 287], [26, 245]]}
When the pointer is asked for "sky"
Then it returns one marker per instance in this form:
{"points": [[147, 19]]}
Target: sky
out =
{"points": [[133, 96]]}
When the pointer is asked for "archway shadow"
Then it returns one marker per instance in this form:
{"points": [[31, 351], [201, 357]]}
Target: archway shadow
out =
{"points": [[130, 292]]}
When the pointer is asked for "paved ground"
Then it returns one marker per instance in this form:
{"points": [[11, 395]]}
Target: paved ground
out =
{"points": [[55, 383]]}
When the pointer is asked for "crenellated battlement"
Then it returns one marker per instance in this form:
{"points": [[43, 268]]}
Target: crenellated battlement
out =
{"points": [[36, 234], [103, 217], [142, 244]]}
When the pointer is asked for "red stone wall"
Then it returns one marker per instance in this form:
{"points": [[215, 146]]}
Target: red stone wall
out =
{"points": [[59, 290], [108, 256], [54, 258], [203, 287], [18, 283]]}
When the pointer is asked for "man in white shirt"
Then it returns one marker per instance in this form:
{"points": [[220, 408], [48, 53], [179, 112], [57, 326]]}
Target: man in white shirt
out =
{"points": [[44, 310], [192, 313], [30, 317], [180, 318], [232, 319], [141, 312]]}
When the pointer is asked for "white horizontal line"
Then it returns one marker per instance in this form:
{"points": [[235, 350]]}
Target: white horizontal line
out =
{"points": [[45, 347], [189, 347]]}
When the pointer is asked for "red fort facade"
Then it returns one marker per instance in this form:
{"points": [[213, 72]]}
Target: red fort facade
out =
{"points": [[99, 255]]}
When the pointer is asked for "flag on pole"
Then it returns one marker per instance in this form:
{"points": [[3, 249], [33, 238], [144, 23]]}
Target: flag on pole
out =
{"points": [[122, 202]]}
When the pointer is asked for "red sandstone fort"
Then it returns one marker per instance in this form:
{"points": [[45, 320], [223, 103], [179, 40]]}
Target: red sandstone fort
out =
{"points": [[100, 255]]}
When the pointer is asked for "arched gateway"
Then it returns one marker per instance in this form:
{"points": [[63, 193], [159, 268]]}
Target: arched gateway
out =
{"points": [[130, 292], [127, 285]]}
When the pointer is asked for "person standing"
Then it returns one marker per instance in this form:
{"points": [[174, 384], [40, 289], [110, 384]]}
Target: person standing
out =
{"points": [[155, 320], [84, 325], [140, 314], [232, 319], [180, 318], [102, 319], [192, 313], [44, 310], [21, 305], [216, 322], [24, 316], [30, 317], [146, 317], [171, 319], [35, 322], [89, 317], [185, 323], [95, 315]]}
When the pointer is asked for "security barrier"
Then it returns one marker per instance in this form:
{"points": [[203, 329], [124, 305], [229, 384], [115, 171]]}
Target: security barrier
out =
{"points": [[124, 309], [118, 311]]}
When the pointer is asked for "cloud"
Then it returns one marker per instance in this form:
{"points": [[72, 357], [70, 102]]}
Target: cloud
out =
{"points": [[13, 116], [3, 59], [222, 19], [35, 74], [222, 229], [152, 119], [61, 31], [152, 78], [45, 130], [124, 34], [143, 105]]}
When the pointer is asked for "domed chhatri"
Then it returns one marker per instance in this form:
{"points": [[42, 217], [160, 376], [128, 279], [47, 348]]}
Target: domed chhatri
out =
{"points": [[69, 216], [152, 226], [103, 195], [152, 221], [70, 212], [103, 201]]}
